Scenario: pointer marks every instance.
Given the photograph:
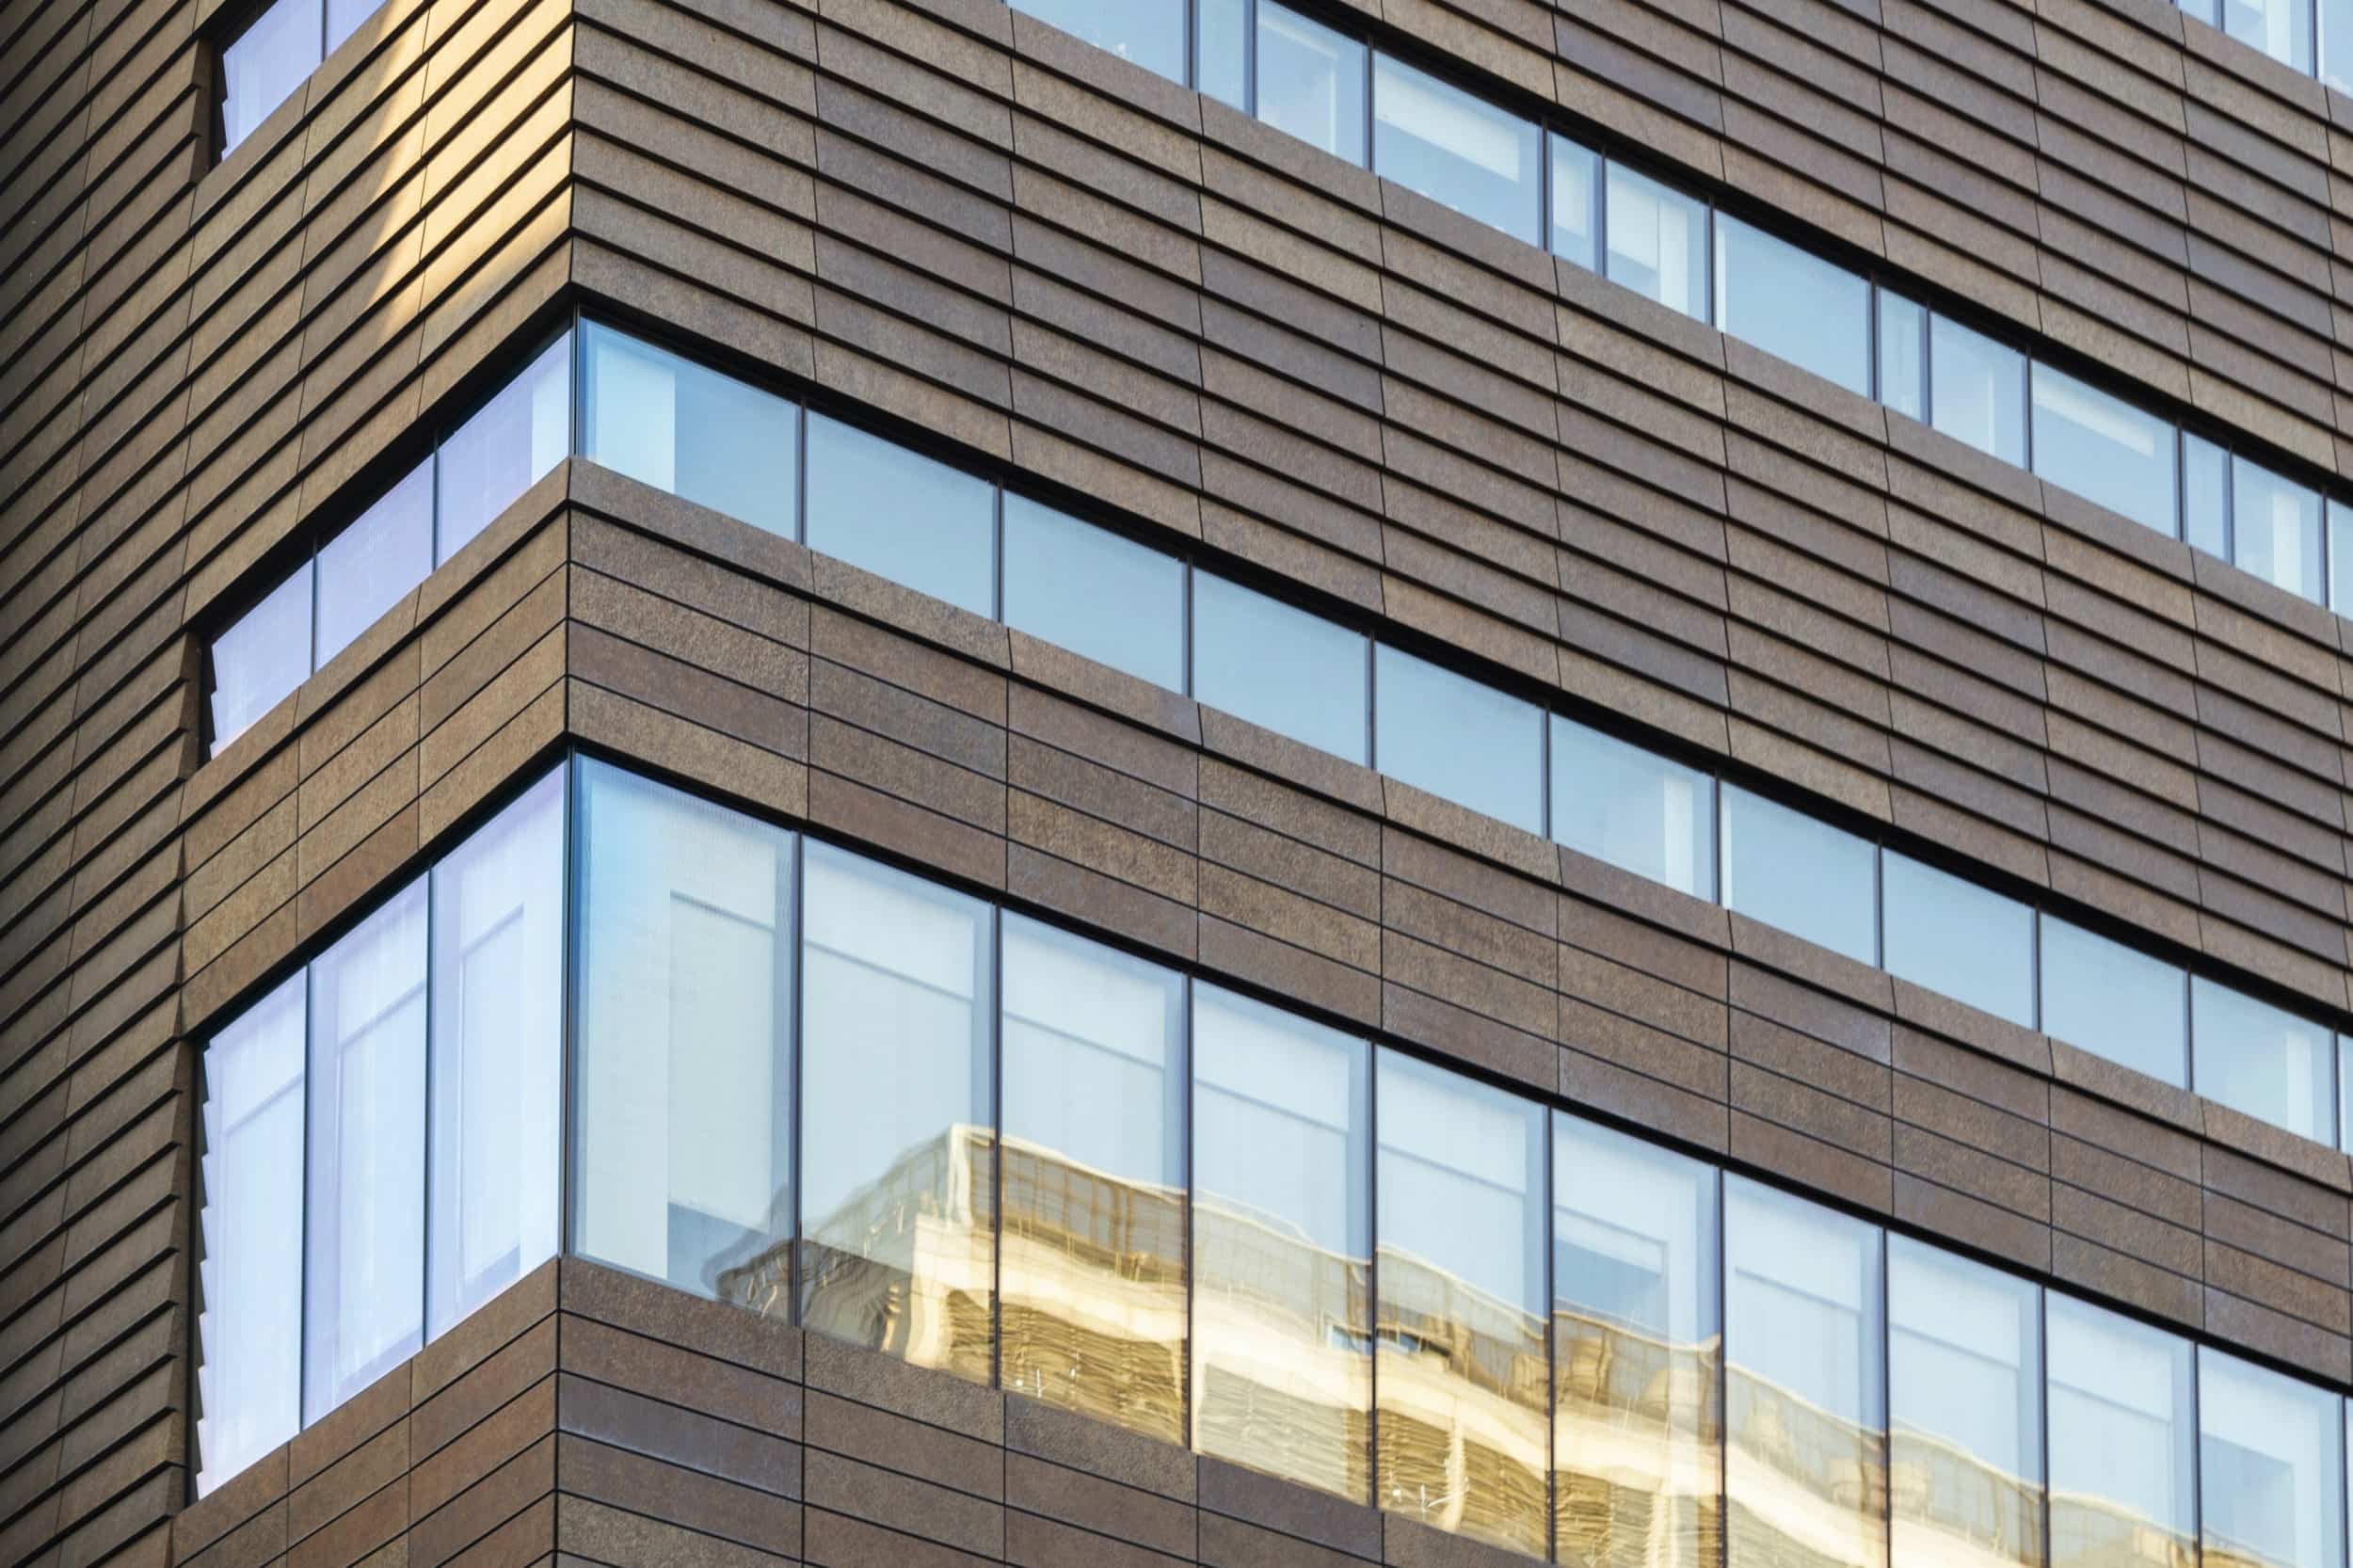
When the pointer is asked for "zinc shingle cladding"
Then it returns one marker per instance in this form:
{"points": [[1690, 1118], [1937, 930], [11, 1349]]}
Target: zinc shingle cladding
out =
{"points": [[949, 215]]}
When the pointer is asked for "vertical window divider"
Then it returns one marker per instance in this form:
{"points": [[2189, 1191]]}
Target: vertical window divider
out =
{"points": [[1879, 906], [1600, 216], [1723, 1369], [1927, 377], [1193, 44], [302, 1187], [1551, 1292], [792, 1027], [1373, 703], [2042, 1373], [2034, 967], [2230, 503], [575, 910], [1887, 1396], [1372, 1059], [1372, 110], [997, 551], [1250, 58], [996, 1142], [425, 1225], [1544, 770], [1184, 623], [1707, 263], [1871, 338], [800, 472], [1185, 1404]]}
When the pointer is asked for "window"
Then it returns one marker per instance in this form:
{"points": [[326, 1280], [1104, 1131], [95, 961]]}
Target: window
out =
{"points": [[1092, 1267], [669, 423], [1459, 739], [1095, 593], [1803, 1466], [249, 1273], [2115, 1001], [1575, 197], [1282, 1227], [2205, 495], [273, 57], [261, 659], [681, 1134], [2121, 1465], [2103, 449], [1462, 1422], [497, 1056], [1291, 672], [1634, 809], [1220, 51], [1637, 1464], [2275, 529], [1807, 877], [1977, 390], [1311, 82], [1454, 148], [1964, 1369], [1791, 302], [2336, 44], [2340, 541], [514, 439], [1972, 944], [2281, 29], [1151, 33], [902, 516], [371, 566], [2262, 1060], [2270, 1467], [896, 1223], [366, 1303], [1657, 241], [1903, 344]]}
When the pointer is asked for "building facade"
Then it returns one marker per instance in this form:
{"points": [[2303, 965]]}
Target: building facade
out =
{"points": [[1177, 781]]}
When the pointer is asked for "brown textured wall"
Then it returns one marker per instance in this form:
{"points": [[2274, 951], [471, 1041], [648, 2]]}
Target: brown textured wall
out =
{"points": [[950, 214]]}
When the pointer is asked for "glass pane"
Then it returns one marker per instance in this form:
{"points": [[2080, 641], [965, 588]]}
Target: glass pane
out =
{"points": [[1095, 593], [509, 443], [1965, 1404], [1803, 1475], [1459, 150], [2341, 554], [1657, 241], [900, 515], [2205, 481], [2262, 1060], [896, 1188], [268, 61], [248, 1270], [365, 1307], [2281, 29], [1282, 1227], [371, 566], [1979, 389], [1575, 192], [497, 1057], [1638, 1421], [2120, 1448], [669, 423], [344, 16], [1459, 739], [262, 658], [1220, 50], [2275, 529], [1276, 666], [683, 1128], [2115, 1001], [1807, 877], [2336, 43], [2103, 449], [1092, 1270], [2270, 1469], [1149, 32], [1634, 809], [1311, 82], [1463, 1407], [1950, 936], [1902, 325], [1791, 302], [2202, 10]]}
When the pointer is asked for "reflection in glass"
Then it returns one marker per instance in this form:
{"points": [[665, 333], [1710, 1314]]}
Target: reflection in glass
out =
{"points": [[2103, 449], [1576, 202], [1803, 876], [1965, 1411], [1459, 150], [1979, 389], [1637, 1464], [2275, 529], [1311, 82], [2281, 29], [1092, 1267], [1633, 808], [2115, 1001], [669, 423], [1280, 667], [2121, 1462], [249, 1230], [1095, 592], [509, 443], [1805, 1476], [2270, 1469], [497, 1055], [681, 1161], [1792, 303], [371, 566], [1903, 328], [1657, 241], [2262, 1060], [2205, 495], [1151, 33], [1950, 936], [1463, 1424], [365, 1300], [1219, 47], [1282, 1229], [897, 1187], [262, 657], [901, 515], [269, 60], [1459, 739]]}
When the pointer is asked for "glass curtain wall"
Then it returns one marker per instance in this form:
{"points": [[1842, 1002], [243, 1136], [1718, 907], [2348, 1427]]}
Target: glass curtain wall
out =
{"points": [[2123, 1456]]}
